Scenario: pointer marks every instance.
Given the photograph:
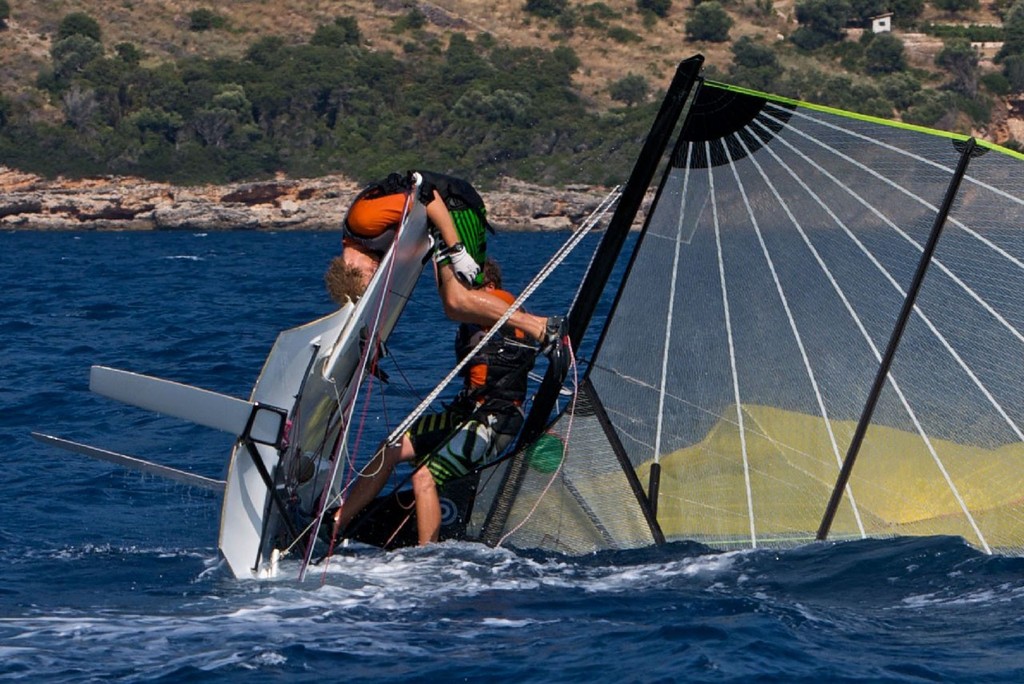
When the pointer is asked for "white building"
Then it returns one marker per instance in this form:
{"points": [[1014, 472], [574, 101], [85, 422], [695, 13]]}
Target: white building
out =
{"points": [[882, 23]]}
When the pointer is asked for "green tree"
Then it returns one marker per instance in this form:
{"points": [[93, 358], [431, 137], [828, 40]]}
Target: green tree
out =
{"points": [[961, 61], [343, 31], [754, 65], [709, 22], [547, 9], [862, 10], [414, 20], [658, 7], [72, 54], [956, 5], [157, 121], [885, 54], [6, 108], [1013, 69], [462, 64], [906, 12], [900, 88], [821, 22], [268, 52], [1013, 33], [78, 24], [204, 19], [129, 53], [631, 89]]}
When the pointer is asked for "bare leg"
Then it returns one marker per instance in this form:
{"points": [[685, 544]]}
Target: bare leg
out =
{"points": [[428, 506], [477, 306], [371, 481]]}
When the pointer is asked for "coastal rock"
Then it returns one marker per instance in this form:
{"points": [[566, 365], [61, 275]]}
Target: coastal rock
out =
{"points": [[28, 202]]}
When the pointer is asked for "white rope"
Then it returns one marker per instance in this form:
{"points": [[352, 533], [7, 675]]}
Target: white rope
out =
{"points": [[541, 276], [732, 348]]}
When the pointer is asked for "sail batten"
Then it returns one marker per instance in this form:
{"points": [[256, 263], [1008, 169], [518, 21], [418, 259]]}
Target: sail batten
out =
{"points": [[916, 310], [792, 272], [823, 411], [668, 319], [724, 291]]}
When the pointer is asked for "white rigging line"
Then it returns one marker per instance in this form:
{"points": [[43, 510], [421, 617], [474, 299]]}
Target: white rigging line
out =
{"points": [[924, 160], [942, 339], [948, 170], [926, 204], [878, 356], [541, 276], [789, 314], [782, 446], [732, 349], [671, 307]]}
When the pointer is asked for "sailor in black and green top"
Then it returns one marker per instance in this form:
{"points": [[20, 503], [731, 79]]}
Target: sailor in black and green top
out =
{"points": [[467, 210], [458, 218]]}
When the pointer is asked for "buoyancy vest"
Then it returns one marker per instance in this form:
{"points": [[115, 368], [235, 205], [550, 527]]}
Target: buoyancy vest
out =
{"points": [[497, 377], [373, 215], [376, 212], [466, 208]]}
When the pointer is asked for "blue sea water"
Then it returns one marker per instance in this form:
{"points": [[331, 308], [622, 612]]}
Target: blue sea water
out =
{"points": [[111, 575]]}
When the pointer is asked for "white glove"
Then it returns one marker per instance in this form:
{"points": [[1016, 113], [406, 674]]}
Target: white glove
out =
{"points": [[466, 269]]}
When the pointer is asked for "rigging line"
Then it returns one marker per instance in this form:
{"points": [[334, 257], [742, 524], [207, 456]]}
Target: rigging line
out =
{"points": [[371, 348], [878, 356], [548, 268], [927, 205], [906, 153], [920, 314], [671, 307], [789, 315], [732, 347], [565, 452]]}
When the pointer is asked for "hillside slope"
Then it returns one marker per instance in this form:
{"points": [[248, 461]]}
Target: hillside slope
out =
{"points": [[611, 39]]}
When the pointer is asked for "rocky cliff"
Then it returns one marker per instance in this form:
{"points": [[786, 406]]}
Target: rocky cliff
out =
{"points": [[28, 202]]}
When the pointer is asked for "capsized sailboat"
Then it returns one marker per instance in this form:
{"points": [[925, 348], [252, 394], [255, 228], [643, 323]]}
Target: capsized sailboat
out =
{"points": [[819, 334]]}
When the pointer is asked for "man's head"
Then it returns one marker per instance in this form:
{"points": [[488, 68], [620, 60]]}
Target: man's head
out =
{"points": [[348, 275], [491, 274]]}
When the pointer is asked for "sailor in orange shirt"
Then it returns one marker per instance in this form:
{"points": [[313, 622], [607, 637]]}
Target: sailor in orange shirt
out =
{"points": [[477, 427], [458, 218]]}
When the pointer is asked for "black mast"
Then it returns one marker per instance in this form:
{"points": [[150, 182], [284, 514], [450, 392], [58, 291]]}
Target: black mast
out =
{"points": [[686, 77], [894, 340], [618, 230]]}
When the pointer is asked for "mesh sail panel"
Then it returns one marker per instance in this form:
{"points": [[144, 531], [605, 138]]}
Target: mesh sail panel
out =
{"points": [[760, 304], [754, 319], [574, 496], [946, 447]]}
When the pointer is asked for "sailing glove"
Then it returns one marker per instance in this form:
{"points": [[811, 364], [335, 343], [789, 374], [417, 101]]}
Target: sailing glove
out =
{"points": [[465, 267]]}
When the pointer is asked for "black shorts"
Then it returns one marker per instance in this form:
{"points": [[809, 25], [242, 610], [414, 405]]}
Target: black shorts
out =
{"points": [[449, 445]]}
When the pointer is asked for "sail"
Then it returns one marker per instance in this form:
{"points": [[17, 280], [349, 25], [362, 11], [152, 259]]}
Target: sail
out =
{"points": [[811, 288]]}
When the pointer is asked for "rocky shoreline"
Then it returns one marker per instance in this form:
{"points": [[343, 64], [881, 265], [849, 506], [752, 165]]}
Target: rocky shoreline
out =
{"points": [[28, 202]]}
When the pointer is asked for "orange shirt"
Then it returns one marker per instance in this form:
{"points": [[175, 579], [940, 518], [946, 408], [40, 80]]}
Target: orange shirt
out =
{"points": [[368, 218], [476, 374]]}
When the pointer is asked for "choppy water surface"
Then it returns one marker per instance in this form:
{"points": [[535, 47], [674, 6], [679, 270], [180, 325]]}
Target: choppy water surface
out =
{"points": [[112, 575]]}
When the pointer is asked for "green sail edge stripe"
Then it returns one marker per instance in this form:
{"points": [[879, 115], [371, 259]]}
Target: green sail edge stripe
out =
{"points": [[866, 117]]}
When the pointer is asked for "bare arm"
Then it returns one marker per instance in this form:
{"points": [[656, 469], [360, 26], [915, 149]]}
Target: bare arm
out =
{"points": [[438, 214], [477, 306]]}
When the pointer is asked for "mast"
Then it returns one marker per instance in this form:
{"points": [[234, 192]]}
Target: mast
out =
{"points": [[608, 251], [683, 83], [952, 189]]}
